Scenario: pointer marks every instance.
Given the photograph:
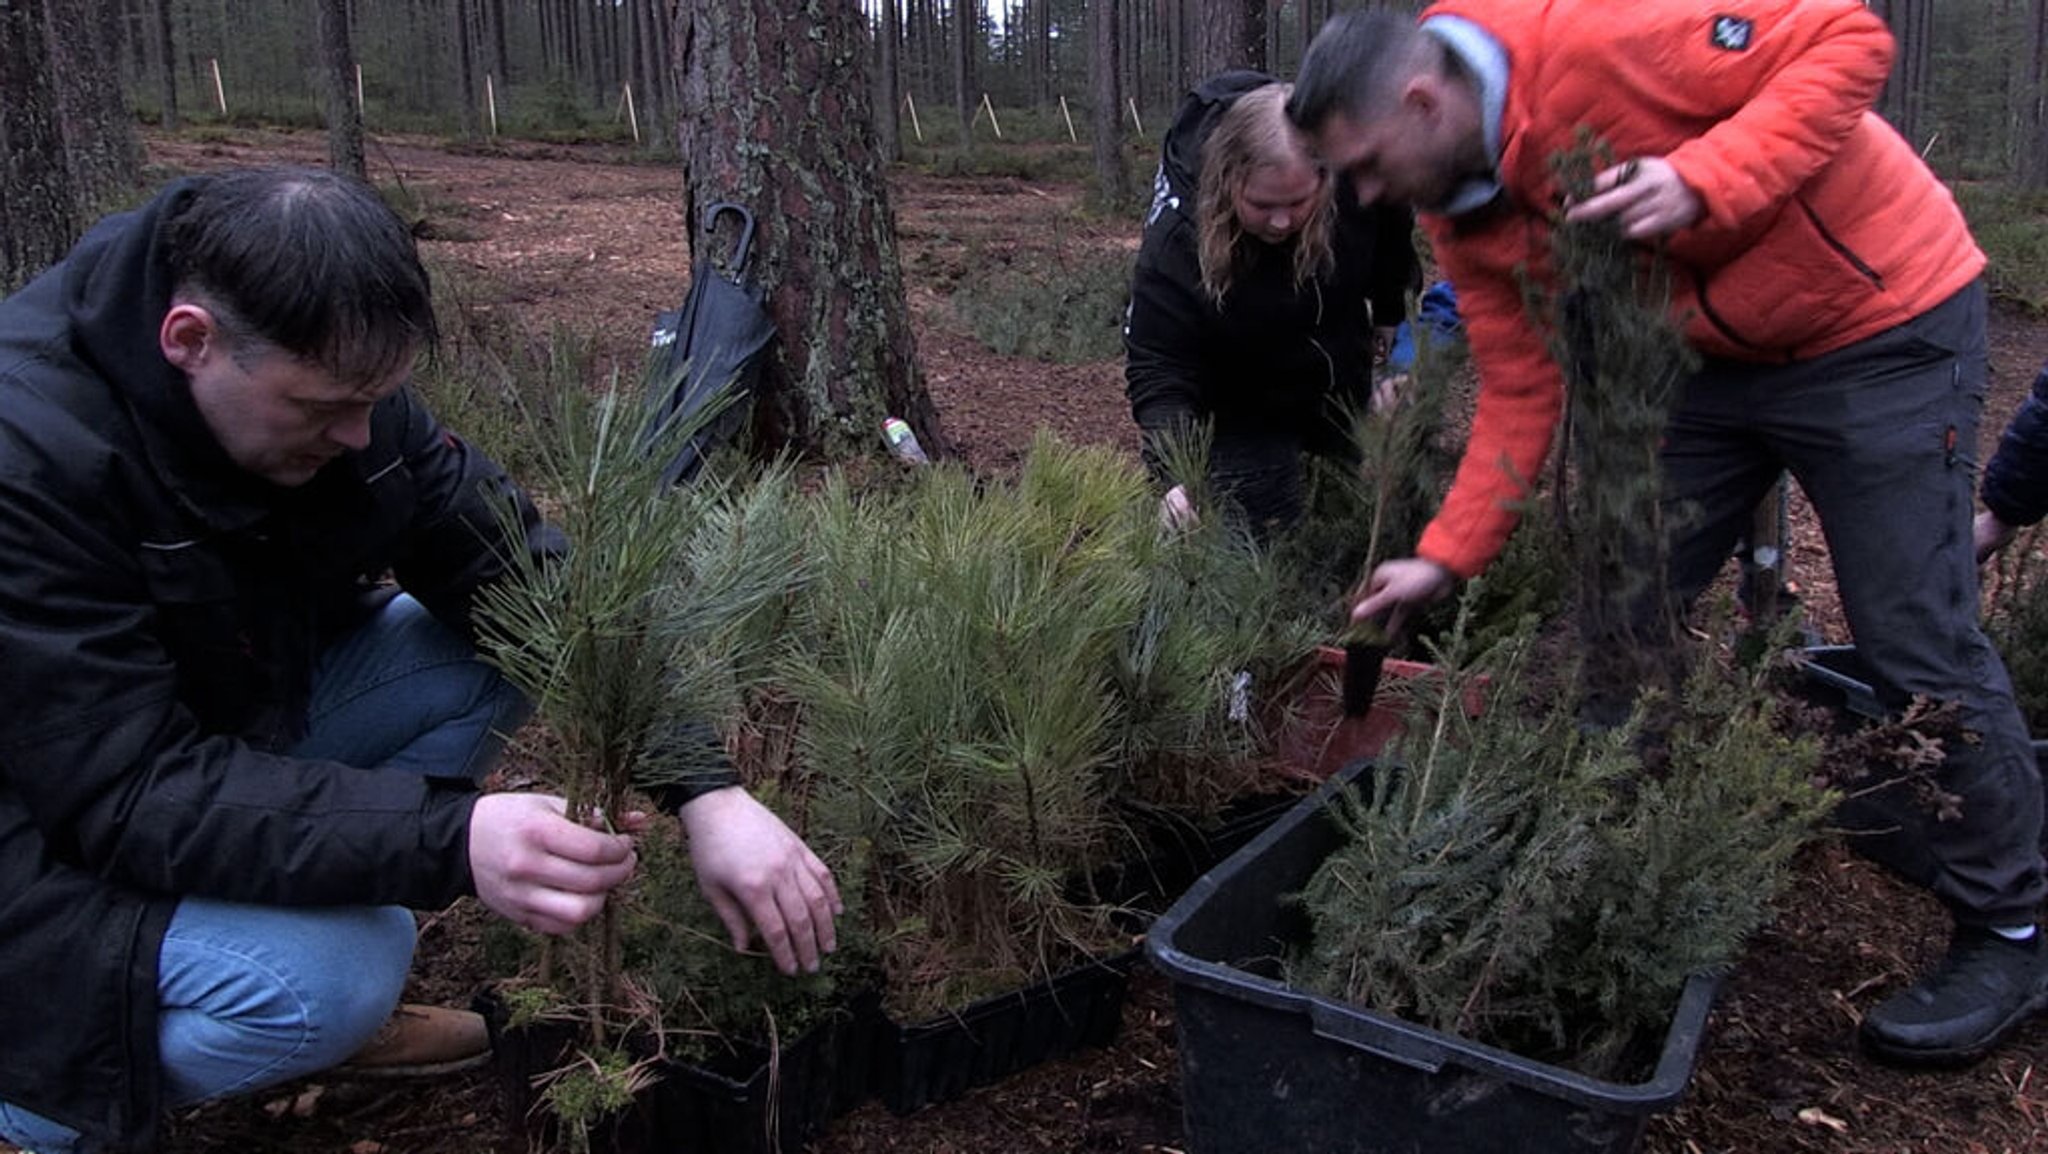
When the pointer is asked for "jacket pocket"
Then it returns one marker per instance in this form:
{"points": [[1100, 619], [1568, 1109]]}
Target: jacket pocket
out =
{"points": [[1793, 287]]}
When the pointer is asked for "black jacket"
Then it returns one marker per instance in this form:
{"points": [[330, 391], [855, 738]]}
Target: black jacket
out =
{"points": [[1273, 356], [159, 613], [2016, 481]]}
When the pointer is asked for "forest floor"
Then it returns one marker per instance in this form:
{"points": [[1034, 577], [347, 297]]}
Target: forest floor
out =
{"points": [[591, 239]]}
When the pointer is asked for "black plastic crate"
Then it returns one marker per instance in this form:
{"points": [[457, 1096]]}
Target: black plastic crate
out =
{"points": [[1268, 1067], [744, 1101], [939, 1060], [1175, 851], [1842, 678]]}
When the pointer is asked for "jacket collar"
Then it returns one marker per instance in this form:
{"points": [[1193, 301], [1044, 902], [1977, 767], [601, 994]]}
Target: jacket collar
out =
{"points": [[1484, 57]]}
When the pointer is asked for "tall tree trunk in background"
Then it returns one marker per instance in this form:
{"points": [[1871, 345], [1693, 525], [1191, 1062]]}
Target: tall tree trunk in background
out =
{"points": [[1905, 94], [338, 90], [1039, 45], [1182, 70], [2033, 134], [1226, 34], [102, 155], [1112, 183], [465, 70], [888, 129], [38, 218], [167, 60], [654, 73], [966, 28], [775, 117], [501, 61], [924, 22]]}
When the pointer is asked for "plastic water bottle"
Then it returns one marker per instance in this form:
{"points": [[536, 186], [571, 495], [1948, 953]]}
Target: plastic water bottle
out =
{"points": [[903, 442]]}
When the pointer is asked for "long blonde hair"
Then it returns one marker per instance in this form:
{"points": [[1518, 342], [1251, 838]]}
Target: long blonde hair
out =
{"points": [[1254, 134]]}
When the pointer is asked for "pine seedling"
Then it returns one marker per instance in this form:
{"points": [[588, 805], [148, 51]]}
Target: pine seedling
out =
{"points": [[1403, 466], [953, 665], [639, 623], [1218, 628]]}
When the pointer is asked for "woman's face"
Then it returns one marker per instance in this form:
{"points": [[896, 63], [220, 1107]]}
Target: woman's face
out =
{"points": [[1276, 199]]}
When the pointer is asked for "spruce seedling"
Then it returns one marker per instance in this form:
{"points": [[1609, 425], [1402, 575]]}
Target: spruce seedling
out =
{"points": [[1608, 313]]}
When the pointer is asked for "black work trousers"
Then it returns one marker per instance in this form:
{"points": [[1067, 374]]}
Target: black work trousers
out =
{"points": [[1882, 437]]}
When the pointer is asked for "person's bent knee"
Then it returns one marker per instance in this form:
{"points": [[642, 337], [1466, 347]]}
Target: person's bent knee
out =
{"points": [[253, 996]]}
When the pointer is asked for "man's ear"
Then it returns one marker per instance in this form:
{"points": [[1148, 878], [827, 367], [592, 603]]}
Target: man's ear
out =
{"points": [[1423, 95], [189, 335]]}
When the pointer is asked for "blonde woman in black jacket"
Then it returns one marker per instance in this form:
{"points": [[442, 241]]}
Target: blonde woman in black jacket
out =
{"points": [[1259, 294]]}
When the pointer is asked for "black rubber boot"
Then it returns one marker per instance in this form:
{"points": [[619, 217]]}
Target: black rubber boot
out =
{"points": [[1961, 1010]]}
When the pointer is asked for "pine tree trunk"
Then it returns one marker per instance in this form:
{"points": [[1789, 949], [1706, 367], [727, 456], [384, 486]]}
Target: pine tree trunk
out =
{"points": [[102, 156], [888, 130], [465, 71], [167, 61], [2034, 131], [38, 220], [1905, 94], [501, 60], [966, 26], [1112, 184], [1226, 34], [338, 73], [653, 75], [775, 117]]}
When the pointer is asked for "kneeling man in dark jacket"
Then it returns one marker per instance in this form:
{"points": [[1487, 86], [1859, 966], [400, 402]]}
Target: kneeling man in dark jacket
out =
{"points": [[233, 754]]}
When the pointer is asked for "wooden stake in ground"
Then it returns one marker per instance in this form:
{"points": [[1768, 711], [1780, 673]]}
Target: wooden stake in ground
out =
{"points": [[1132, 102], [491, 103], [1069, 118], [992, 123], [220, 94], [914, 125], [359, 88], [632, 118]]}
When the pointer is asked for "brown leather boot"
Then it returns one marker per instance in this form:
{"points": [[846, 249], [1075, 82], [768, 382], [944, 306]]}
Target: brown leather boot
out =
{"points": [[418, 1041]]}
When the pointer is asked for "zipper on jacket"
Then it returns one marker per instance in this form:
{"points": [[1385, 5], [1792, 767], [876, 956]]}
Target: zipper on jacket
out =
{"points": [[1842, 250], [1329, 366]]}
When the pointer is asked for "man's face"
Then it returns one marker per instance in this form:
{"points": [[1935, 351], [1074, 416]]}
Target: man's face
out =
{"points": [[277, 416], [1403, 158]]}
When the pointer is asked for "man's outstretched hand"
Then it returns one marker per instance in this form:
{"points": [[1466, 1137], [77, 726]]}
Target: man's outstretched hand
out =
{"points": [[760, 876]]}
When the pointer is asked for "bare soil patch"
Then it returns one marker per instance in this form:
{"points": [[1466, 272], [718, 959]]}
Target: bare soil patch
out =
{"points": [[591, 239]]}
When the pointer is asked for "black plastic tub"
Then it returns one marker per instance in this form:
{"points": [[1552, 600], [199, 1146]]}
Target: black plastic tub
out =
{"points": [[1265, 1066], [919, 1064], [1175, 851], [742, 1101], [1842, 679], [1837, 676]]}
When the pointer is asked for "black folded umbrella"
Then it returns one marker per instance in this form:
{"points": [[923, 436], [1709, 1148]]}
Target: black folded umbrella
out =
{"points": [[716, 343]]}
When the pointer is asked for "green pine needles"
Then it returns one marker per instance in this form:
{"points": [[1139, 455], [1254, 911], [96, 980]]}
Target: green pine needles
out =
{"points": [[984, 672], [644, 626]]}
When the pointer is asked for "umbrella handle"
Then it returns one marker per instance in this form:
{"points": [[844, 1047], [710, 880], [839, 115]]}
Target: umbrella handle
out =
{"points": [[738, 264]]}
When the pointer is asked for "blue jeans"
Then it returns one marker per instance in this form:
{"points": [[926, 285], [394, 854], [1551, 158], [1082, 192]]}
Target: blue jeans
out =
{"points": [[250, 996]]}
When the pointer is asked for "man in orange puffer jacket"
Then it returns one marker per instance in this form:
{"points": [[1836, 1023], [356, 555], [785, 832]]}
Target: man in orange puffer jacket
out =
{"points": [[1831, 286]]}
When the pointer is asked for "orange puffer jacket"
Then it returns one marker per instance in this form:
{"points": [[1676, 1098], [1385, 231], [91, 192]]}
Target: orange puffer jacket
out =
{"points": [[1821, 226]]}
